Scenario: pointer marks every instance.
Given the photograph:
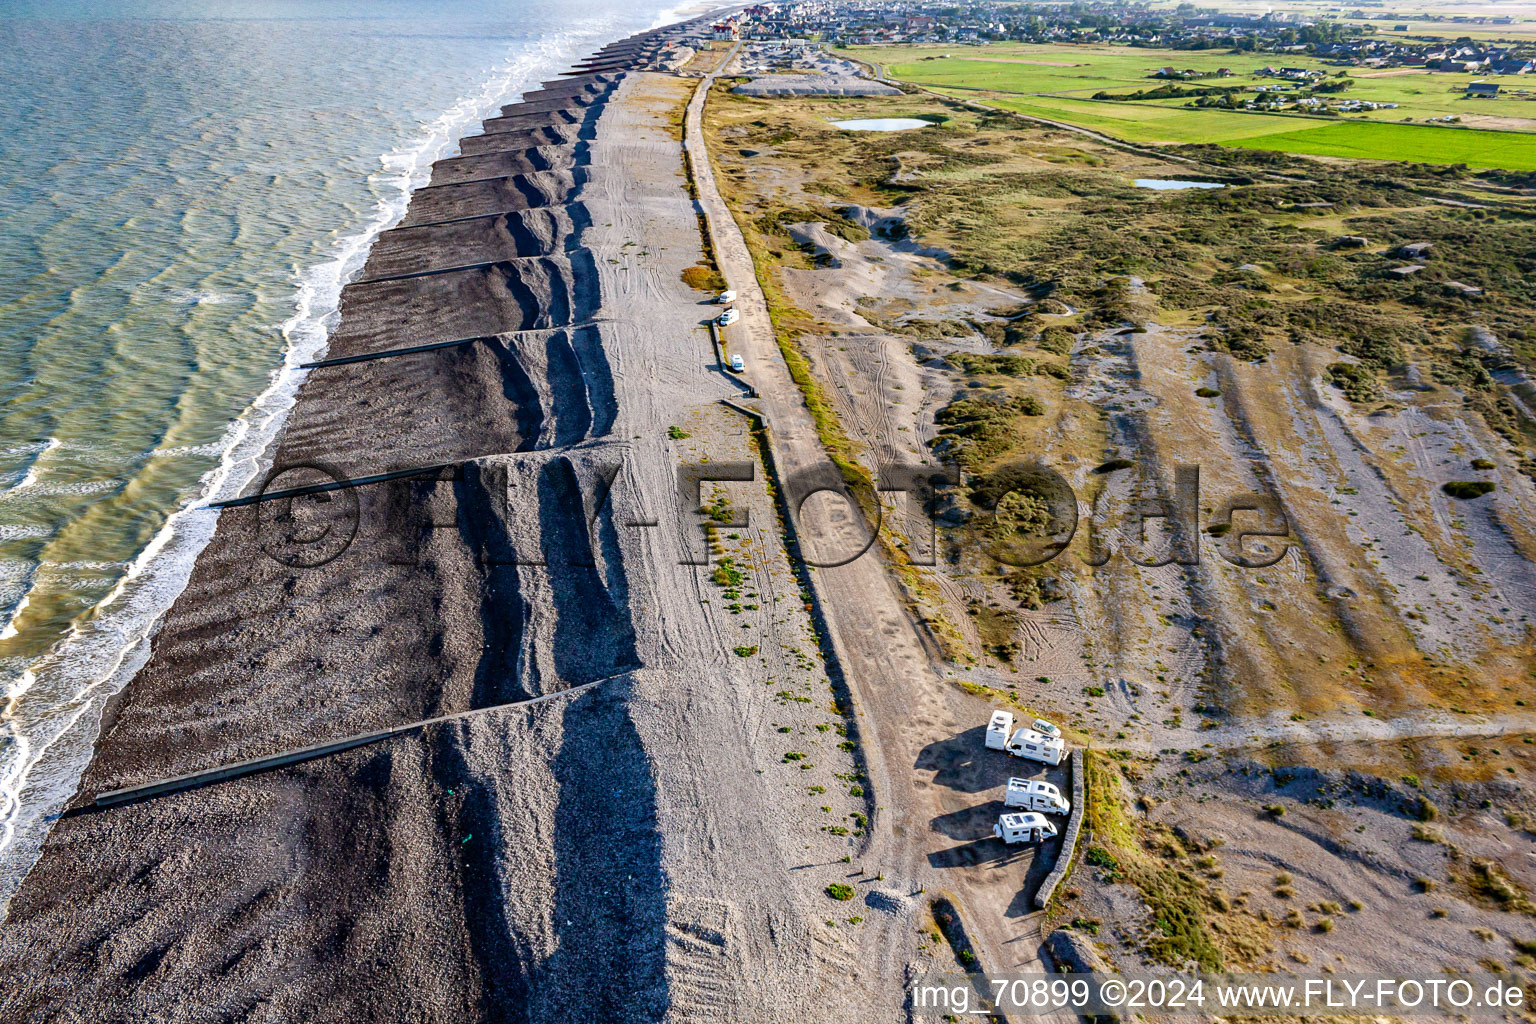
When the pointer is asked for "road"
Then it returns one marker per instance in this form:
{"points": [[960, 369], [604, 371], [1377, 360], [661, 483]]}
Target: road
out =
{"points": [[924, 772]]}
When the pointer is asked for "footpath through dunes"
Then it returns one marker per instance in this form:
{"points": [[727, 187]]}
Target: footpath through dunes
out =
{"points": [[514, 390]]}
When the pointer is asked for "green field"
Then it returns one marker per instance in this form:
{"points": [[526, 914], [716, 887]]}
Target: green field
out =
{"points": [[1511, 151], [1058, 82], [1144, 122]]}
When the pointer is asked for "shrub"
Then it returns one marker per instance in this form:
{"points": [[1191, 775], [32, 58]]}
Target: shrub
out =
{"points": [[1357, 382], [705, 279], [1093, 691], [1466, 490], [1057, 339], [839, 891], [745, 651], [1207, 393], [1101, 858], [1488, 880], [1483, 464]]}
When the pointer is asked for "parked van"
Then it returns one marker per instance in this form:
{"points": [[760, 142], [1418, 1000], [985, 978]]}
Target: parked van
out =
{"points": [[998, 730], [737, 363], [729, 317], [1032, 795], [1023, 828], [726, 296], [1034, 746]]}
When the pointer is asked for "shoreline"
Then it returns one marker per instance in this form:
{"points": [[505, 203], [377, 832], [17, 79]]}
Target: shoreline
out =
{"points": [[114, 642], [518, 374], [233, 668]]}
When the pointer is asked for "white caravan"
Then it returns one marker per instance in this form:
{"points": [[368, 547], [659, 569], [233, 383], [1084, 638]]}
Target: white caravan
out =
{"points": [[1034, 746], [1023, 828], [1036, 796], [998, 730]]}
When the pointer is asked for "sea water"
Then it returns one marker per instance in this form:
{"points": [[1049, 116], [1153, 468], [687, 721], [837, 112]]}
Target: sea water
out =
{"points": [[185, 185]]}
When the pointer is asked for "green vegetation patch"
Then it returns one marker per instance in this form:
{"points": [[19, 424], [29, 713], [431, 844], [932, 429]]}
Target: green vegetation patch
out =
{"points": [[1365, 140], [1192, 917], [1466, 490]]}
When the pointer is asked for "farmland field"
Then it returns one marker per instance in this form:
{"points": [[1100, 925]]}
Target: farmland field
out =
{"points": [[1144, 122], [1058, 82], [1513, 151]]}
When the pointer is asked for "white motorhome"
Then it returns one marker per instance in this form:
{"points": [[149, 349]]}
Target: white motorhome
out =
{"points": [[1032, 795], [725, 297], [729, 317], [1034, 746], [998, 730], [1023, 828]]}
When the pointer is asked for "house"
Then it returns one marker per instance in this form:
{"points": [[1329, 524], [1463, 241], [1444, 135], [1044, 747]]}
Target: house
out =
{"points": [[1483, 90]]}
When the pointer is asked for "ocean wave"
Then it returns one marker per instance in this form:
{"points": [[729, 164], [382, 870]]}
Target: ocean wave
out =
{"points": [[34, 453], [9, 531], [41, 764], [10, 622], [34, 488]]}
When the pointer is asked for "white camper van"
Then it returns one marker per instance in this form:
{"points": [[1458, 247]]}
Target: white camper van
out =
{"points": [[998, 730], [1036, 796], [1023, 828], [725, 297], [1034, 746]]}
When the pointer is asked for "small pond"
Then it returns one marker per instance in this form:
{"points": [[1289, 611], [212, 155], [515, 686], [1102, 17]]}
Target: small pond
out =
{"points": [[1169, 184], [882, 124]]}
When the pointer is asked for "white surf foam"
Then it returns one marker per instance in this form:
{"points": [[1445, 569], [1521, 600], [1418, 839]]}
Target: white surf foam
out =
{"points": [[44, 751], [29, 479]]}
